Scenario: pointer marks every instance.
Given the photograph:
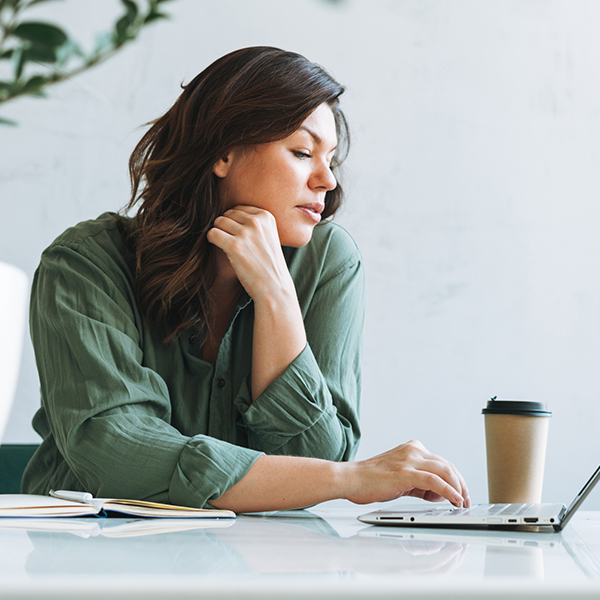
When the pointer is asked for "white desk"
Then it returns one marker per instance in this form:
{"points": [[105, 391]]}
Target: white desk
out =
{"points": [[324, 553]]}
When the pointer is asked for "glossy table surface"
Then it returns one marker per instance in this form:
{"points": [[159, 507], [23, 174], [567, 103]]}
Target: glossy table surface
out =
{"points": [[323, 552]]}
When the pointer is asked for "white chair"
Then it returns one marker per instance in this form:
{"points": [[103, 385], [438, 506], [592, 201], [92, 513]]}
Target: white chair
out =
{"points": [[13, 304]]}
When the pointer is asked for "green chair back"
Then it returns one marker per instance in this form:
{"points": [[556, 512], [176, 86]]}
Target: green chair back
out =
{"points": [[13, 460]]}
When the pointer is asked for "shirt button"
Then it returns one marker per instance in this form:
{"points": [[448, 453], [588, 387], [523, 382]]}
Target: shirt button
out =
{"points": [[220, 382]]}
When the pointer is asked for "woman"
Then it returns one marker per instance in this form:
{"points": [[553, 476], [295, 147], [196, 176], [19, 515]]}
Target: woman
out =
{"points": [[207, 351]]}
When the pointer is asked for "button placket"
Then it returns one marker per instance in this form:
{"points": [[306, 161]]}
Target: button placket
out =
{"points": [[221, 398]]}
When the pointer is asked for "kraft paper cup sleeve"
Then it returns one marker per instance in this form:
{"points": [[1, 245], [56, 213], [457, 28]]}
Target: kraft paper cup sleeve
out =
{"points": [[516, 440]]}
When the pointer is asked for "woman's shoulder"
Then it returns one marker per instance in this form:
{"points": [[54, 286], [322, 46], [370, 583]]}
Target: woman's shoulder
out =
{"points": [[333, 239], [330, 252], [334, 245], [102, 231], [96, 246]]}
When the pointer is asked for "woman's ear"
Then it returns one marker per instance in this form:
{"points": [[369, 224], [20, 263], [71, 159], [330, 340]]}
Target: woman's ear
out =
{"points": [[221, 167]]}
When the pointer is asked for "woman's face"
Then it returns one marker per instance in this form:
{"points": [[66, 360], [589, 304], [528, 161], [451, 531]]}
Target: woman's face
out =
{"points": [[288, 178]]}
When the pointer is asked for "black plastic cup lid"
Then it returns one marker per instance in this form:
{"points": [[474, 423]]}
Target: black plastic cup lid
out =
{"points": [[516, 407]]}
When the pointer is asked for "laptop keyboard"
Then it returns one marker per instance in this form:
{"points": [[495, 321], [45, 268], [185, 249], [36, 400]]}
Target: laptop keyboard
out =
{"points": [[514, 510], [492, 510]]}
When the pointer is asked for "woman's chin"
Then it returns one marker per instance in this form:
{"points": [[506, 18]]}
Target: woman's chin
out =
{"points": [[298, 238]]}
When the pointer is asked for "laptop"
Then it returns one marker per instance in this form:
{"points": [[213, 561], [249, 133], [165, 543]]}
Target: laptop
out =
{"points": [[498, 516]]}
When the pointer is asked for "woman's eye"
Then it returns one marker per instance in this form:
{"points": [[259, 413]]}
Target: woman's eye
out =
{"points": [[302, 155]]}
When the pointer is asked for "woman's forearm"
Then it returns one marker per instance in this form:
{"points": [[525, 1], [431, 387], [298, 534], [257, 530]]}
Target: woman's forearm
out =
{"points": [[249, 238], [289, 482], [278, 337], [283, 483]]}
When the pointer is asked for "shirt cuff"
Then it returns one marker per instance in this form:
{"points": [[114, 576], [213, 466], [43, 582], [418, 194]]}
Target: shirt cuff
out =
{"points": [[290, 405], [207, 468]]}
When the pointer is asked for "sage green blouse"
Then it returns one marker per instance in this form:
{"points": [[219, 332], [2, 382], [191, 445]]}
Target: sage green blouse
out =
{"points": [[123, 415]]}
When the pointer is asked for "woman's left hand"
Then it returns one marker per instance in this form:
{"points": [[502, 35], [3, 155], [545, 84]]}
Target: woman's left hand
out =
{"points": [[248, 236]]}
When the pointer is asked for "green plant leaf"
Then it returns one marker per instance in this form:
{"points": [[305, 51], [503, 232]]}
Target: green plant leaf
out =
{"points": [[41, 33], [67, 51], [103, 42], [131, 8], [18, 62], [10, 122], [32, 2], [154, 15], [40, 53], [122, 33], [35, 86], [9, 3], [41, 42]]}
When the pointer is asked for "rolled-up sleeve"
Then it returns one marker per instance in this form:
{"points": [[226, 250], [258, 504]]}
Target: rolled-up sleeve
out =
{"points": [[109, 414], [312, 409]]}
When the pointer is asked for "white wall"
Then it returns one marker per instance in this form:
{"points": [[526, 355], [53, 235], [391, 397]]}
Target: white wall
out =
{"points": [[473, 194]]}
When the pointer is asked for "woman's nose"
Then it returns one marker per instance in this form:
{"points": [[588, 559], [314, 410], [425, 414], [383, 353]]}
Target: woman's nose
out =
{"points": [[324, 178]]}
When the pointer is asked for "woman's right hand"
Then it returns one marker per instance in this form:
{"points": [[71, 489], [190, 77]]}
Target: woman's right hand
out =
{"points": [[407, 470], [249, 238]]}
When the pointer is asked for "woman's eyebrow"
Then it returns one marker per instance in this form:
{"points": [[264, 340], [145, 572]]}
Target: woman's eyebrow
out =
{"points": [[315, 136]]}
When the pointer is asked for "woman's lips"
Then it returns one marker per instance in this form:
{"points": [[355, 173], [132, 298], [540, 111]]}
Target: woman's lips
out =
{"points": [[312, 210]]}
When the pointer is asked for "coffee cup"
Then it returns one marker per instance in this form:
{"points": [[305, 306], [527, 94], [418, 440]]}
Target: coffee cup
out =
{"points": [[516, 435]]}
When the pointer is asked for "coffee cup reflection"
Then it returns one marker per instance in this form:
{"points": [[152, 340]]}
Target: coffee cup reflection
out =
{"points": [[523, 561]]}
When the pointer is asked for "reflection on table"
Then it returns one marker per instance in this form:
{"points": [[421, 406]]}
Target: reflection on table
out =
{"points": [[298, 543]]}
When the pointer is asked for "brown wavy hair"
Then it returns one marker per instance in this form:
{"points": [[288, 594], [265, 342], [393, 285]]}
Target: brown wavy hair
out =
{"points": [[250, 96]]}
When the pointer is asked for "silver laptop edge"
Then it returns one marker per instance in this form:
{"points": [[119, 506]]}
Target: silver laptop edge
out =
{"points": [[554, 515], [583, 494]]}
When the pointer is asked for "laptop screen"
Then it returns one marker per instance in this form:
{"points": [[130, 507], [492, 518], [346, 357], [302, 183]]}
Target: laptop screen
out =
{"points": [[583, 494]]}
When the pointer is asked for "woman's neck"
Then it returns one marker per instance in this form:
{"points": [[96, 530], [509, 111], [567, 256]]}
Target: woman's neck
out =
{"points": [[224, 294], [226, 281]]}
